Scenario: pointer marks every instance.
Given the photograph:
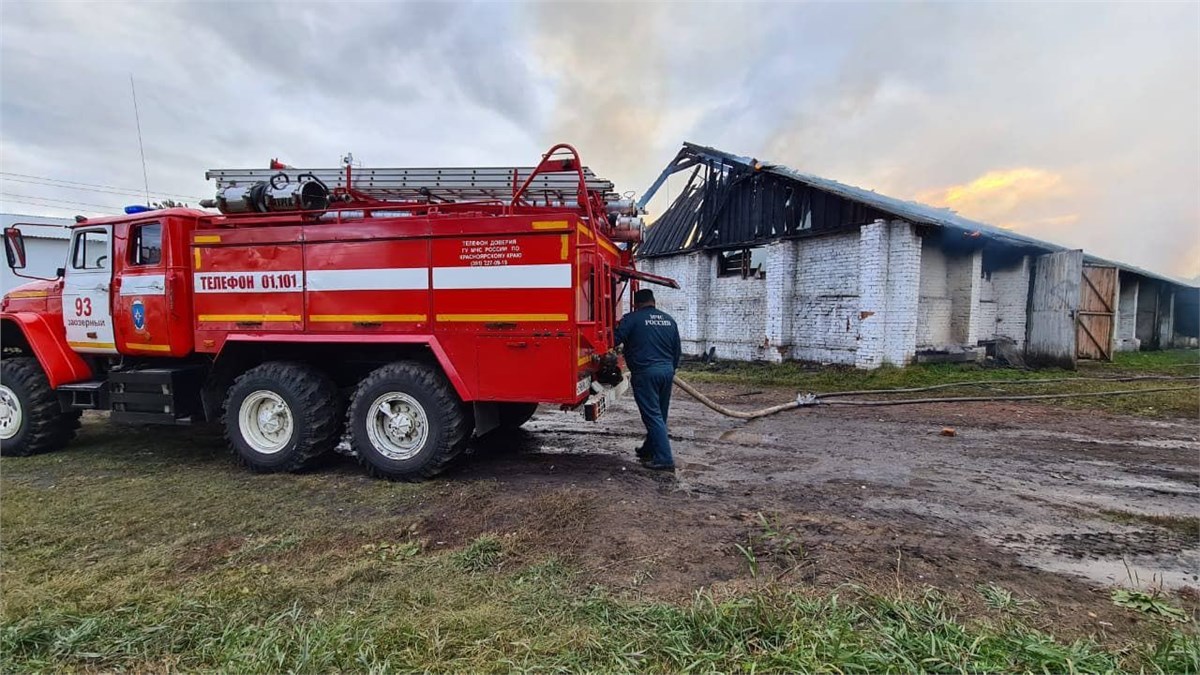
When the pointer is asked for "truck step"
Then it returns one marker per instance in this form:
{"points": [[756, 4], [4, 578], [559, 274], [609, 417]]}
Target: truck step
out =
{"points": [[155, 395], [90, 395]]}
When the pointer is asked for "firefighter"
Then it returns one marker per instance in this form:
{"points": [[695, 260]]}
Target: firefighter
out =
{"points": [[652, 352]]}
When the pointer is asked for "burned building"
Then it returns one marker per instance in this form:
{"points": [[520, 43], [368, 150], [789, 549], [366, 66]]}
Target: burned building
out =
{"points": [[778, 265]]}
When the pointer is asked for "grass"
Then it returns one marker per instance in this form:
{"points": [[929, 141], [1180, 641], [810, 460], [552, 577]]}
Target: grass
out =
{"points": [[1187, 527], [139, 552], [823, 379], [1152, 602], [485, 553], [998, 597]]}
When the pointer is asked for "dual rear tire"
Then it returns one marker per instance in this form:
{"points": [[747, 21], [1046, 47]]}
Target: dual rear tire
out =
{"points": [[404, 421], [282, 416]]}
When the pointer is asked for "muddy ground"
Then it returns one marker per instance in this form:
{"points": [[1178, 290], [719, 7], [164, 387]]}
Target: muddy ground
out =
{"points": [[1052, 504], [1055, 505]]}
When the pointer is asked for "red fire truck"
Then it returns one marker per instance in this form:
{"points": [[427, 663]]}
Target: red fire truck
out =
{"points": [[399, 311]]}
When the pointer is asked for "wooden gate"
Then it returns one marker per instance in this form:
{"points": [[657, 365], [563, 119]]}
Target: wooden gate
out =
{"points": [[1097, 306], [1052, 308]]}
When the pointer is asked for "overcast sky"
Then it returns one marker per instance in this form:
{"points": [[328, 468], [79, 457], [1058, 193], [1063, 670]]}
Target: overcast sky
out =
{"points": [[1076, 123]]}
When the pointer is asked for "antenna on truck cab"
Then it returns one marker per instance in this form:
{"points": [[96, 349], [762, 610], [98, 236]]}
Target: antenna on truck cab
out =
{"points": [[138, 119]]}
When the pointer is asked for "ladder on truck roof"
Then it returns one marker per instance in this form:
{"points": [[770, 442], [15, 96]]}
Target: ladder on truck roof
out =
{"points": [[446, 184]]}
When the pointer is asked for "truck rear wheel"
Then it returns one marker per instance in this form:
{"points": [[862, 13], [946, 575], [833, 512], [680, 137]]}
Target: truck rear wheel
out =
{"points": [[513, 415], [406, 423], [281, 416], [31, 420]]}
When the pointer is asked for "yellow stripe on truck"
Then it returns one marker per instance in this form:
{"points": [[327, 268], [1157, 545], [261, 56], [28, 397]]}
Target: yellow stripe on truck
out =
{"points": [[550, 224], [366, 318], [92, 345], [248, 318], [500, 317], [147, 347], [599, 240]]}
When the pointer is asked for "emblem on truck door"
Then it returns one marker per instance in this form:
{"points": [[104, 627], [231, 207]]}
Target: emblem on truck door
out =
{"points": [[137, 312]]}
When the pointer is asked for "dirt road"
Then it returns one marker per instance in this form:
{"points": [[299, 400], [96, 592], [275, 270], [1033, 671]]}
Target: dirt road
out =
{"points": [[1048, 501]]}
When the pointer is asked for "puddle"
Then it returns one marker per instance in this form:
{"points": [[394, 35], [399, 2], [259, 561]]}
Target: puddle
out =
{"points": [[1126, 556], [1175, 572]]}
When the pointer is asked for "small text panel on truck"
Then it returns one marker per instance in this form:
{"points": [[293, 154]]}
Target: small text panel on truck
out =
{"points": [[400, 311]]}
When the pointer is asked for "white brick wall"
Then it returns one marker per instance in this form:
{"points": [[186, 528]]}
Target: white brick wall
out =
{"points": [[889, 282], [963, 279], [825, 303], [958, 306], [780, 299], [933, 307], [904, 274], [1127, 310], [1010, 291], [735, 316], [809, 306]]}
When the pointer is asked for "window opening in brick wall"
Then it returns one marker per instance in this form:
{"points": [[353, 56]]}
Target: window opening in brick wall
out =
{"points": [[747, 263]]}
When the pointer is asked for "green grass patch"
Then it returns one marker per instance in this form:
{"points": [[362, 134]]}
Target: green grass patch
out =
{"points": [[485, 553], [987, 380], [461, 622], [998, 597], [1167, 361], [1186, 526]]}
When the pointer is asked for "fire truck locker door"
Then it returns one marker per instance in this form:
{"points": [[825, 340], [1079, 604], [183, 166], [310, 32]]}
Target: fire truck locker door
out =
{"points": [[87, 289], [526, 368]]}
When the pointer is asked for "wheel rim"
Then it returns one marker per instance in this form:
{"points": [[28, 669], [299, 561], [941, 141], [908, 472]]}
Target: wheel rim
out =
{"points": [[10, 413], [397, 426], [265, 421]]}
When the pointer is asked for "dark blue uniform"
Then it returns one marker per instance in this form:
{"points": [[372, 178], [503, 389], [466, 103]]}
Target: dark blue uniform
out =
{"points": [[652, 352]]}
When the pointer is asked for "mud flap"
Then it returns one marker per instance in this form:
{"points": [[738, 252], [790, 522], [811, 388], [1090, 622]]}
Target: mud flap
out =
{"points": [[487, 418]]}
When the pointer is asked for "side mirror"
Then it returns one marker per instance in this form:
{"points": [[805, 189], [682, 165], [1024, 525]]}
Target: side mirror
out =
{"points": [[14, 248]]}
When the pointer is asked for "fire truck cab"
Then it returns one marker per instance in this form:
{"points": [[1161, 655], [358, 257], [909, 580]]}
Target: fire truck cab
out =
{"points": [[394, 312]]}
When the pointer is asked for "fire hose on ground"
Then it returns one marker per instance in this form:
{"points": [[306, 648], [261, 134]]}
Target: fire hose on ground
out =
{"points": [[812, 400]]}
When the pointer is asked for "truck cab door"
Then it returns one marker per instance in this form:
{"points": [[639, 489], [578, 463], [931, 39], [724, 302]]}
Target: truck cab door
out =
{"points": [[142, 315], [87, 291]]}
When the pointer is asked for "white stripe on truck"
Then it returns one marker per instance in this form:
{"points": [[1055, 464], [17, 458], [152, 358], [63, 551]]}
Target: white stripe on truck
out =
{"points": [[382, 279], [385, 279], [503, 276]]}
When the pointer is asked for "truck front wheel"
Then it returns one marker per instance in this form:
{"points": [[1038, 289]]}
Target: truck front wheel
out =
{"points": [[31, 420], [406, 423], [281, 416]]}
